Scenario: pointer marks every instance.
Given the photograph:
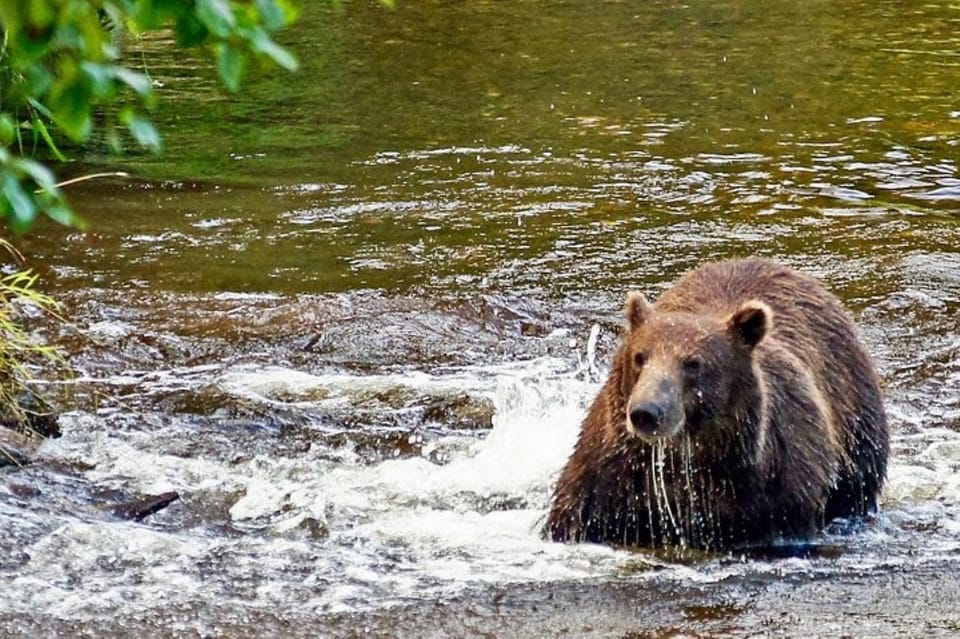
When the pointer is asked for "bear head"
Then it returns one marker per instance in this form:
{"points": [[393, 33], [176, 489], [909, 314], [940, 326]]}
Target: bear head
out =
{"points": [[685, 372]]}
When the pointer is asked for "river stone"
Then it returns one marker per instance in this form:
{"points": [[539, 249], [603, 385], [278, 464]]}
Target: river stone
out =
{"points": [[145, 505], [16, 449], [35, 415], [462, 411]]}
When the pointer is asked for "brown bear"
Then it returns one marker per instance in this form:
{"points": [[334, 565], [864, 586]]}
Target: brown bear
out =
{"points": [[740, 410]]}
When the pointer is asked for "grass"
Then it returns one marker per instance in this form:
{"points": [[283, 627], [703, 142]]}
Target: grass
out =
{"points": [[21, 352]]}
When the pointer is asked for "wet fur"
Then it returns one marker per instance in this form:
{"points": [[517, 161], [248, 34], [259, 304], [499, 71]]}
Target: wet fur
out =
{"points": [[801, 440]]}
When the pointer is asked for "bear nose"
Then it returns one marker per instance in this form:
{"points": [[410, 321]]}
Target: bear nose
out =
{"points": [[646, 418]]}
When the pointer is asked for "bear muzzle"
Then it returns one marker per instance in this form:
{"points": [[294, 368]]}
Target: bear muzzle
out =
{"points": [[653, 420]]}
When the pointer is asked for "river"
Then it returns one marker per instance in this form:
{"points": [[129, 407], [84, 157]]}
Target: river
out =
{"points": [[354, 317]]}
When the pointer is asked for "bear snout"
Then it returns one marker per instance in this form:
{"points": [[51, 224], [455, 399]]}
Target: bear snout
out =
{"points": [[647, 418], [654, 419], [654, 409]]}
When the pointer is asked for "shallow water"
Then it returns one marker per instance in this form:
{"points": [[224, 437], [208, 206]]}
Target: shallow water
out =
{"points": [[354, 319]]}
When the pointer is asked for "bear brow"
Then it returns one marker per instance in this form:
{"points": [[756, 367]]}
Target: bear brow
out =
{"points": [[685, 341], [686, 329]]}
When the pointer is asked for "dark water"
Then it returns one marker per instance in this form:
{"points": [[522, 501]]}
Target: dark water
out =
{"points": [[347, 315]]}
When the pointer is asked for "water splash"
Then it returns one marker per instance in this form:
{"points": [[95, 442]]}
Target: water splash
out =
{"points": [[658, 462], [591, 369]]}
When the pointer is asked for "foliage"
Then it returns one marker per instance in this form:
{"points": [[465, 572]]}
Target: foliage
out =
{"points": [[61, 65], [19, 350]]}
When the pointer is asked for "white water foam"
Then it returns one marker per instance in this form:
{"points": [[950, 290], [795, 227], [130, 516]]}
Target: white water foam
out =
{"points": [[475, 519], [382, 533]]}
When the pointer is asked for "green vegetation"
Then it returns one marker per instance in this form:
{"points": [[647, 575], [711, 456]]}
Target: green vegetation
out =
{"points": [[19, 352], [63, 76]]}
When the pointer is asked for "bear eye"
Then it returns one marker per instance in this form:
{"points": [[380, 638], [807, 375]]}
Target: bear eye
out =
{"points": [[639, 359], [692, 366]]}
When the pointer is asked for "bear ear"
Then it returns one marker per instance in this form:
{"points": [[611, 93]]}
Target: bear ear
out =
{"points": [[637, 309], [751, 322]]}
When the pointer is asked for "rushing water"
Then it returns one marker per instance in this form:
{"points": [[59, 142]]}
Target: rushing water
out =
{"points": [[354, 318]]}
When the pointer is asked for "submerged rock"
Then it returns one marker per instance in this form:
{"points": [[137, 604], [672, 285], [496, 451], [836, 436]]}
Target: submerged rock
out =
{"points": [[32, 414], [144, 506], [460, 411], [16, 449]]}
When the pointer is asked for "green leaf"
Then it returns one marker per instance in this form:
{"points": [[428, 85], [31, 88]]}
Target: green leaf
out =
{"points": [[271, 13], [21, 204], [113, 140], [8, 131], [72, 110], [141, 129], [39, 174], [101, 79], [262, 43], [276, 13], [152, 14], [39, 107], [41, 128], [140, 83], [63, 215], [37, 79], [190, 31], [230, 65], [218, 16]]}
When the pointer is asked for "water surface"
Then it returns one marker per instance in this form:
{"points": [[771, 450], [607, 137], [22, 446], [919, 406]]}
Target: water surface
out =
{"points": [[347, 316]]}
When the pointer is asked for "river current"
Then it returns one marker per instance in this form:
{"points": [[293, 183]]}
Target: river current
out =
{"points": [[354, 320]]}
